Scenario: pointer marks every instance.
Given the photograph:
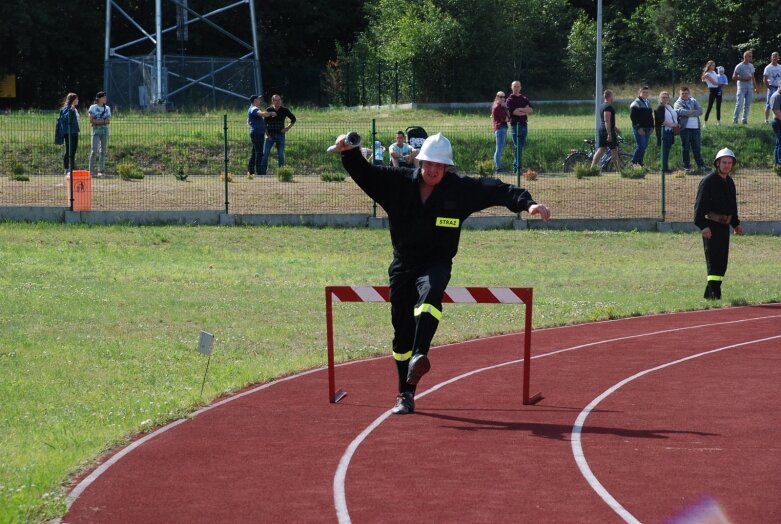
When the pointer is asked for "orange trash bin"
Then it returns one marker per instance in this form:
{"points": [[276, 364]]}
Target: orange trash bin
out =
{"points": [[82, 190]]}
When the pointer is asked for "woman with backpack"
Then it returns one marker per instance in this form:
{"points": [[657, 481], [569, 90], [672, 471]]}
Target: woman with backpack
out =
{"points": [[68, 123]]}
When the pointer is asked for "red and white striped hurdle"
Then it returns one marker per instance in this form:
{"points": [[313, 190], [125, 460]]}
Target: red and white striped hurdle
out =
{"points": [[452, 295]]}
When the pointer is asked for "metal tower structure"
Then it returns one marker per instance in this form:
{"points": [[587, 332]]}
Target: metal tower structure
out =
{"points": [[157, 79]]}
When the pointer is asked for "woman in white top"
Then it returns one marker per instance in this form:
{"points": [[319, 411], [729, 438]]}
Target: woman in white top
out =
{"points": [[711, 79], [666, 120]]}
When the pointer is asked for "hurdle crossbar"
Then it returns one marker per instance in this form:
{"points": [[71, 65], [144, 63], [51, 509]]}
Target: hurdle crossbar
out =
{"points": [[452, 295]]}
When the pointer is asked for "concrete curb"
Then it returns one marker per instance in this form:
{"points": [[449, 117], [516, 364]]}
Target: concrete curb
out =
{"points": [[63, 215]]}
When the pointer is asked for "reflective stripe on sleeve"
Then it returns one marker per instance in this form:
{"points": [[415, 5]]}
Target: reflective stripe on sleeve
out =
{"points": [[716, 278]]}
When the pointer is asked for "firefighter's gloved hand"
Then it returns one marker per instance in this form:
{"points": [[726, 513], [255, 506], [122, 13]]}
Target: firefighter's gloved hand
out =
{"points": [[540, 209], [345, 142]]}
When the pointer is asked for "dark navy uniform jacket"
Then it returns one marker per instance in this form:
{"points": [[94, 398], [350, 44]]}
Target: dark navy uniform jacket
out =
{"points": [[716, 195], [429, 232]]}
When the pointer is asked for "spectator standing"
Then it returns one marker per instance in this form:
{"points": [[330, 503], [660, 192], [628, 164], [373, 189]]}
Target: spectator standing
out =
{"points": [[71, 134], [666, 120], [642, 117], [275, 131], [520, 108], [257, 134], [608, 132], [426, 209], [689, 111], [715, 210], [772, 79], [775, 107], [746, 87], [99, 119], [401, 153], [711, 79], [500, 117]]}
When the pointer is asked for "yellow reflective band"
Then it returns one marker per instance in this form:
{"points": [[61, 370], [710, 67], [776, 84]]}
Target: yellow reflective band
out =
{"points": [[448, 222], [716, 278], [401, 357], [428, 308]]}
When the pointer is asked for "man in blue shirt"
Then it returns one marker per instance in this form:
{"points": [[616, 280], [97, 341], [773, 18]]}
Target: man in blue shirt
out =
{"points": [[257, 133]]}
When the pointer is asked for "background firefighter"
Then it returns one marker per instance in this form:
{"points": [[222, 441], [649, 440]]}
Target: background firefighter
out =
{"points": [[426, 209], [715, 210]]}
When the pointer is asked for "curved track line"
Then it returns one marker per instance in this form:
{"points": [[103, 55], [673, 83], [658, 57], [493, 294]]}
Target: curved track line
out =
{"points": [[340, 497], [93, 476], [577, 428]]}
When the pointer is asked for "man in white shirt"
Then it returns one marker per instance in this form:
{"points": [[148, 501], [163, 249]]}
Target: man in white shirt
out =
{"points": [[746, 87], [402, 155], [772, 79]]}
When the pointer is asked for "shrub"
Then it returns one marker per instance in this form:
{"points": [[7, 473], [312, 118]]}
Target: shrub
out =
{"points": [[285, 174], [679, 173], [485, 168], [179, 172], [332, 177], [633, 171], [230, 176], [584, 170], [129, 171], [530, 174], [19, 178]]}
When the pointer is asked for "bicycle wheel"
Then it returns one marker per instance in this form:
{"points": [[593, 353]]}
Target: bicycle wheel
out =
{"points": [[609, 165], [574, 159]]}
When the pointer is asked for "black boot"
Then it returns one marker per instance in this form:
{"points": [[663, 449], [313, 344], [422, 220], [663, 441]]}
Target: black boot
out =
{"points": [[405, 404], [712, 292]]}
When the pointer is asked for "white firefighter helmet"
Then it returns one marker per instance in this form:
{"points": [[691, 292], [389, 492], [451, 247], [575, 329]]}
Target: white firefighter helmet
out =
{"points": [[725, 152], [436, 148]]}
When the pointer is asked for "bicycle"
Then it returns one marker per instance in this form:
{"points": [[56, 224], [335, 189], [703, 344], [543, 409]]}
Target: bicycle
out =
{"points": [[577, 156]]}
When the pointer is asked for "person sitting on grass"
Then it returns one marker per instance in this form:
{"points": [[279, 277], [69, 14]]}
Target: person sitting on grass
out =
{"points": [[401, 153]]}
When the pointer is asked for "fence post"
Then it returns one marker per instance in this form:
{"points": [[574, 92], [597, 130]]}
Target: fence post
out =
{"points": [[225, 157], [347, 76], [663, 208], [379, 83], [396, 82], [69, 155], [414, 94], [374, 139]]}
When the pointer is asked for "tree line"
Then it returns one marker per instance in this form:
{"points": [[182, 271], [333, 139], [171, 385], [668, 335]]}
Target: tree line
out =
{"points": [[446, 50]]}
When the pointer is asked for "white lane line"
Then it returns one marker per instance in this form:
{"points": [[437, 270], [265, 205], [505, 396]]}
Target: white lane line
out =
{"points": [[340, 497], [577, 428], [97, 472]]}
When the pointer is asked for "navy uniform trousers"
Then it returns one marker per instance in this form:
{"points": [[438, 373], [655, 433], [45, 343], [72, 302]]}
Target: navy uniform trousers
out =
{"points": [[416, 309]]}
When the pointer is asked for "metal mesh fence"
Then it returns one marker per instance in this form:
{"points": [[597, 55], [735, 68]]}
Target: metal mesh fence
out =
{"points": [[183, 160], [191, 81]]}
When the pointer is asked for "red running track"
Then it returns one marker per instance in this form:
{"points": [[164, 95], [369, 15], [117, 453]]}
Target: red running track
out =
{"points": [[644, 419]]}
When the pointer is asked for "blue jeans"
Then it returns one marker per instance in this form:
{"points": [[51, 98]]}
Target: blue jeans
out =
{"points": [[668, 139], [743, 97], [690, 138], [99, 143], [519, 133], [777, 131], [501, 140], [641, 142], [255, 164], [275, 137]]}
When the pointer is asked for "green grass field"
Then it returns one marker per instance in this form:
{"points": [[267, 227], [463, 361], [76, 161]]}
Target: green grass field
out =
{"points": [[99, 325]]}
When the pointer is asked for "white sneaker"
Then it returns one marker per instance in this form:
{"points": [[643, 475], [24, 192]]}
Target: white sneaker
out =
{"points": [[100, 174]]}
